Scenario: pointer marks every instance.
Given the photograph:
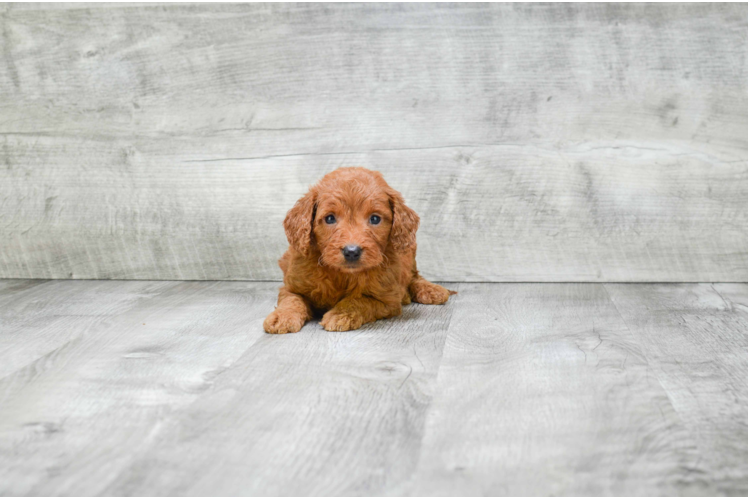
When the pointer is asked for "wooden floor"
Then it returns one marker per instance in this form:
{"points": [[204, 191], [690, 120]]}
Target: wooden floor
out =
{"points": [[156, 388]]}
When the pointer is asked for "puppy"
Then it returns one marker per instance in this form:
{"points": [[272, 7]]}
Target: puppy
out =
{"points": [[352, 256]]}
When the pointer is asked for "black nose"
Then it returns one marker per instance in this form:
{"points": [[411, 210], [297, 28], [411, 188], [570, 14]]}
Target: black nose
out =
{"points": [[352, 252]]}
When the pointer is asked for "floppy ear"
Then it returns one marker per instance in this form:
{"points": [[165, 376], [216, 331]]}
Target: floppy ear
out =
{"points": [[298, 222], [404, 222]]}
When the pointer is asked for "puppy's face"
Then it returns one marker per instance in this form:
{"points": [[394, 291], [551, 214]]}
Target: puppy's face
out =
{"points": [[350, 217], [352, 226]]}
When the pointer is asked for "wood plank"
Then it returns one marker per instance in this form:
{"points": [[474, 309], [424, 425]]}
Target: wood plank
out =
{"points": [[314, 413], [38, 317], [11, 289], [507, 214], [695, 338], [544, 391], [579, 142], [73, 419], [172, 388]]}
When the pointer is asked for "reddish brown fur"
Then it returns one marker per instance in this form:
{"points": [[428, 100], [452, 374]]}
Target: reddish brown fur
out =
{"points": [[317, 278]]}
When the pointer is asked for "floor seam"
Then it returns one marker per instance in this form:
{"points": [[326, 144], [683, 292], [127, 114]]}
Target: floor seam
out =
{"points": [[700, 454], [407, 491]]}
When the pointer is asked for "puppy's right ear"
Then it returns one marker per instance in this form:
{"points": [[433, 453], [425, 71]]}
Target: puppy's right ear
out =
{"points": [[298, 222]]}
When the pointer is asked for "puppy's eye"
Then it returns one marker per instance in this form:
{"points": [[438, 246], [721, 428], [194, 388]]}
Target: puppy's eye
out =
{"points": [[330, 219], [375, 219]]}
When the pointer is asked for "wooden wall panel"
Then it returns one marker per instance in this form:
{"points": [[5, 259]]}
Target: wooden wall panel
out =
{"points": [[566, 142]]}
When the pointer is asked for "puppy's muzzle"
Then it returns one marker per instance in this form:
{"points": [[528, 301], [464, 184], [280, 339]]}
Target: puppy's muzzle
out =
{"points": [[352, 253]]}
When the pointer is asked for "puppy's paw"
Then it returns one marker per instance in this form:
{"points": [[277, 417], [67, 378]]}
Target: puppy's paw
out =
{"points": [[280, 321], [341, 321], [425, 292]]}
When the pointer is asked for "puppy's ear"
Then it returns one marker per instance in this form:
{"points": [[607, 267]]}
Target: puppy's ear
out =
{"points": [[298, 222], [404, 222]]}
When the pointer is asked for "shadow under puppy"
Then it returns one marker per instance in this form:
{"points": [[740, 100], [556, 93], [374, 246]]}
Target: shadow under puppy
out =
{"points": [[352, 255]]}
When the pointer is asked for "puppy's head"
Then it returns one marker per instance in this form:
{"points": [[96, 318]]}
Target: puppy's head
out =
{"points": [[350, 217]]}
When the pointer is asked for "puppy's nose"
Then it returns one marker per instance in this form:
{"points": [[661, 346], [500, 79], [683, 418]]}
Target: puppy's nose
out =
{"points": [[352, 253]]}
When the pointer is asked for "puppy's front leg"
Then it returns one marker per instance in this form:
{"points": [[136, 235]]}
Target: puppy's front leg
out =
{"points": [[352, 312], [292, 312], [425, 292]]}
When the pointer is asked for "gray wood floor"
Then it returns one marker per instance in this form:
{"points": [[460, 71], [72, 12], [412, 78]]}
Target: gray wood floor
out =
{"points": [[154, 388]]}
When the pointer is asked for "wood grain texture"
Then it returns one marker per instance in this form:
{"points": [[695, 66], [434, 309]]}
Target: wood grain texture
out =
{"points": [[37, 317], [696, 339], [304, 413], [106, 364], [157, 388], [314, 413], [538, 142], [543, 390]]}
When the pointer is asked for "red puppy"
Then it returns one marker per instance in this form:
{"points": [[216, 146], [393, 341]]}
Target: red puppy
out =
{"points": [[352, 255]]}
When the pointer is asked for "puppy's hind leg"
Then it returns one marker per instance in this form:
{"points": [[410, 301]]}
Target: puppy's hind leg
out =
{"points": [[425, 292]]}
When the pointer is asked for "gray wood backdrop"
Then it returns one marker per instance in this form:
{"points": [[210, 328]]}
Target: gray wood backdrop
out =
{"points": [[554, 142]]}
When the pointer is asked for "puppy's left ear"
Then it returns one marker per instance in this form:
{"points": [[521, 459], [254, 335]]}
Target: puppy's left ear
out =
{"points": [[298, 222], [404, 222]]}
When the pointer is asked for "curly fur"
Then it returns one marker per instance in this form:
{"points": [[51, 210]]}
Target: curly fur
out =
{"points": [[317, 280]]}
